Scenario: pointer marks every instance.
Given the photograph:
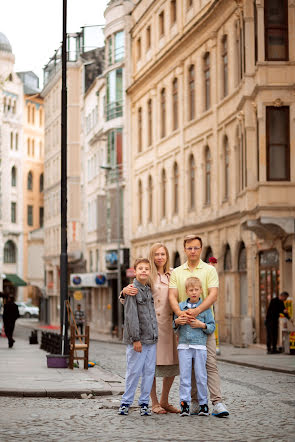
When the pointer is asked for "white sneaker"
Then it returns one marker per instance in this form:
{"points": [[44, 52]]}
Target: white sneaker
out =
{"points": [[220, 410]]}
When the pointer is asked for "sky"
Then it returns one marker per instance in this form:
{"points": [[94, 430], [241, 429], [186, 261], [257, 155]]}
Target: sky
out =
{"points": [[34, 27]]}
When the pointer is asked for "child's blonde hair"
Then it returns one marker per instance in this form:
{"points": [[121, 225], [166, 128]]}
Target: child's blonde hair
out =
{"points": [[192, 282]]}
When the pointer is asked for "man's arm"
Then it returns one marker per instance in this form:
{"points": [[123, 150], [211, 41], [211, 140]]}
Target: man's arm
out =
{"points": [[207, 303], [173, 299]]}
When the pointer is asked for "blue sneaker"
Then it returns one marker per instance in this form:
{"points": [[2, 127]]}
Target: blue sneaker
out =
{"points": [[219, 410], [144, 410], [123, 410], [184, 408]]}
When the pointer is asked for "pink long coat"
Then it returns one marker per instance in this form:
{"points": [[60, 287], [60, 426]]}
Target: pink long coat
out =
{"points": [[166, 347]]}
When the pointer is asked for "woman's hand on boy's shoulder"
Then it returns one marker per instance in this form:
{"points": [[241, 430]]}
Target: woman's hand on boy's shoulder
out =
{"points": [[130, 290], [137, 346]]}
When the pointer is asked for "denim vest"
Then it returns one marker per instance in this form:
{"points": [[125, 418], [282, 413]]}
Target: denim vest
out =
{"points": [[195, 336]]}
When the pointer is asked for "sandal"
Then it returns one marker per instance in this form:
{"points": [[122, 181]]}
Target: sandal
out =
{"points": [[170, 408], [157, 409]]}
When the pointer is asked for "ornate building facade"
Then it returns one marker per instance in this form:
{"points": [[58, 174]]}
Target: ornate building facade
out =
{"points": [[212, 110]]}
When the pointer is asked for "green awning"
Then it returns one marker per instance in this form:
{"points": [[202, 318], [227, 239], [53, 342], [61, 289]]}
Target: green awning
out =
{"points": [[15, 280]]}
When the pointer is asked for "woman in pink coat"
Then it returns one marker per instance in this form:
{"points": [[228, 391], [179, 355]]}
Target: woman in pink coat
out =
{"points": [[167, 360]]}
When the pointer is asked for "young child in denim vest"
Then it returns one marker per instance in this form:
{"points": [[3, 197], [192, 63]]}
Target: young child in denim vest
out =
{"points": [[141, 335], [192, 345]]}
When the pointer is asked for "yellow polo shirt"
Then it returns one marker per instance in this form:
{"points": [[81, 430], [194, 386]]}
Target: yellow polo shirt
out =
{"points": [[205, 272]]}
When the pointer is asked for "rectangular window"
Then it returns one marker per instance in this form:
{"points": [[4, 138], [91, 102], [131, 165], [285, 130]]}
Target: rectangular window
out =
{"points": [[41, 216], [138, 48], [97, 259], [278, 143], [13, 212], [114, 149], [173, 12], [110, 50], [161, 24], [30, 215], [276, 30], [148, 37], [150, 122], [119, 46], [114, 94], [11, 140], [207, 81]]}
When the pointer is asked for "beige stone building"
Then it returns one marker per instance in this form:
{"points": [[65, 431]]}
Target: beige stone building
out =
{"points": [[52, 174], [33, 174], [212, 110]]}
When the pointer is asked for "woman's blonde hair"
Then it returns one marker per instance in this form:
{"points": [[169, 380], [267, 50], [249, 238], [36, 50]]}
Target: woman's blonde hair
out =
{"points": [[154, 270]]}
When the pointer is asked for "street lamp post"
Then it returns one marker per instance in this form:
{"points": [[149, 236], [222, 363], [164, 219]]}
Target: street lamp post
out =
{"points": [[118, 206], [63, 193]]}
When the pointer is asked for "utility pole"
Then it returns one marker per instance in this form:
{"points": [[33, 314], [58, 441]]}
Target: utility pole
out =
{"points": [[63, 199]]}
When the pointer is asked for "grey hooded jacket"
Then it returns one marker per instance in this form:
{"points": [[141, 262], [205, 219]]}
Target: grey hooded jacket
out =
{"points": [[140, 317]]}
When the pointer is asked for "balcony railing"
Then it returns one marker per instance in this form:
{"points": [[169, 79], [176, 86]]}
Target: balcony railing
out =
{"points": [[114, 110]]}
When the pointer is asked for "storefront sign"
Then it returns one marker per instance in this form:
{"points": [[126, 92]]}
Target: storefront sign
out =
{"points": [[88, 280]]}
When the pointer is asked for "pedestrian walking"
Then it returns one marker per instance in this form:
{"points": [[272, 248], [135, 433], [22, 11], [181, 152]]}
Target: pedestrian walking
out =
{"points": [[207, 274], [167, 359], [79, 318], [276, 306], [10, 315], [141, 336], [192, 346]]}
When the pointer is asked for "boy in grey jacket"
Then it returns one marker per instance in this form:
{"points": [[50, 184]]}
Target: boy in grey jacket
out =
{"points": [[192, 345], [141, 335]]}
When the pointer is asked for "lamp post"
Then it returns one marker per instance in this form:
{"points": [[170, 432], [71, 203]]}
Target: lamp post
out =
{"points": [[118, 206], [63, 194]]}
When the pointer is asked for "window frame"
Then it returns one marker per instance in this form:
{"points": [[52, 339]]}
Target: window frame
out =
{"points": [[175, 101], [163, 112], [286, 109], [283, 28], [207, 81], [192, 92]]}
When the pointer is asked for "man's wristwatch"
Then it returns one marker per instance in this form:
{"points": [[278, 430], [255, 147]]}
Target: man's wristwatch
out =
{"points": [[205, 326]]}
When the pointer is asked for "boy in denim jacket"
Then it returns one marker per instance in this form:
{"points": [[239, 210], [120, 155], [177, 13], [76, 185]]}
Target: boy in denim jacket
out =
{"points": [[192, 345], [141, 335]]}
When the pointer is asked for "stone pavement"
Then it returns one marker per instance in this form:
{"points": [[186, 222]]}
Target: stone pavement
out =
{"points": [[24, 372]]}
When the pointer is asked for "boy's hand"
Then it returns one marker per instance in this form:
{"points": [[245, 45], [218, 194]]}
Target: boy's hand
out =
{"points": [[181, 320], [195, 323], [137, 346], [130, 290]]}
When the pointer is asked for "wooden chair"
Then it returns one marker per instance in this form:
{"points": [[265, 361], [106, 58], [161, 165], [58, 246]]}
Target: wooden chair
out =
{"points": [[81, 345], [83, 341]]}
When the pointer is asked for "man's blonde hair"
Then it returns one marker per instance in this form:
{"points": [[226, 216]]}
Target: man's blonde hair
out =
{"points": [[192, 282]]}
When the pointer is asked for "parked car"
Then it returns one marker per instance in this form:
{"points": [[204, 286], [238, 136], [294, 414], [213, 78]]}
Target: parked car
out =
{"points": [[27, 311]]}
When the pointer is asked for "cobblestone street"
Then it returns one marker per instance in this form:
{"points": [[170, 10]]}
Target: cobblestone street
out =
{"points": [[261, 404]]}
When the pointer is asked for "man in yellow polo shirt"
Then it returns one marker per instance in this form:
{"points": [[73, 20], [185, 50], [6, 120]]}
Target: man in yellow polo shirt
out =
{"points": [[209, 278]]}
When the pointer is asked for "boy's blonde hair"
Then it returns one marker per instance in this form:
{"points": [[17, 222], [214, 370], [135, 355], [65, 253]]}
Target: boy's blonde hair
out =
{"points": [[140, 260], [192, 282]]}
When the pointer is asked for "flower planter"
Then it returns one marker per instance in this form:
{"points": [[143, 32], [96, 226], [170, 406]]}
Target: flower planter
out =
{"points": [[57, 361]]}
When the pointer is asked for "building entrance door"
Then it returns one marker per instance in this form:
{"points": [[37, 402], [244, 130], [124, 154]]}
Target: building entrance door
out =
{"points": [[269, 279]]}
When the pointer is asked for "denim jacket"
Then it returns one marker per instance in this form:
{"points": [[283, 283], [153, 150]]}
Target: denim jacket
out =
{"points": [[140, 317], [195, 336]]}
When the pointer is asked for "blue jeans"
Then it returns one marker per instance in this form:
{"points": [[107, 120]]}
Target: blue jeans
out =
{"points": [[185, 366], [139, 364]]}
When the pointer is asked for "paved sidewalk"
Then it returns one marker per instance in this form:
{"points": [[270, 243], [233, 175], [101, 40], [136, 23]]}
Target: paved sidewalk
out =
{"points": [[24, 372]]}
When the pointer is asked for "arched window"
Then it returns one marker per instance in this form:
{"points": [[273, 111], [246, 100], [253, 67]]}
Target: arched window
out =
{"points": [[139, 202], [208, 254], [225, 65], [150, 199], [207, 176], [9, 252], [28, 146], [191, 92], [175, 103], [41, 183], [13, 176], [227, 258], [175, 188], [163, 113], [150, 122], [176, 260], [192, 182], [163, 192], [242, 263], [226, 167], [242, 267], [16, 141], [207, 80], [139, 127], [30, 181]]}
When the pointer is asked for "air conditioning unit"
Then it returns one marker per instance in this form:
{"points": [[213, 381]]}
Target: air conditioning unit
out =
{"points": [[242, 331]]}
